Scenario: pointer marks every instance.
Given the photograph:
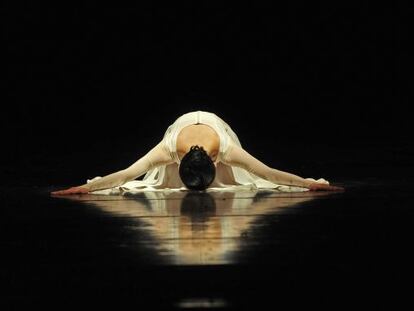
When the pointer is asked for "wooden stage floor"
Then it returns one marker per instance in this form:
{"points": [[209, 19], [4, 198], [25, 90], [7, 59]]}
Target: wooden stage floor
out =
{"points": [[214, 250]]}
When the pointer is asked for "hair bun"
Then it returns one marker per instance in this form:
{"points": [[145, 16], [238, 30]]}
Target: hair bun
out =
{"points": [[196, 147], [197, 170]]}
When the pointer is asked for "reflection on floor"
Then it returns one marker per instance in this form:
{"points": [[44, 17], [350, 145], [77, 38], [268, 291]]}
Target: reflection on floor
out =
{"points": [[195, 228], [219, 250]]}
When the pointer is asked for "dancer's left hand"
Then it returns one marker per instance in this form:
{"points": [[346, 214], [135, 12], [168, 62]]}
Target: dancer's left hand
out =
{"points": [[324, 187]]}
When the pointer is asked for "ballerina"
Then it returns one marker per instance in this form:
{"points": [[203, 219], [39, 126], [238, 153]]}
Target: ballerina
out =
{"points": [[198, 151]]}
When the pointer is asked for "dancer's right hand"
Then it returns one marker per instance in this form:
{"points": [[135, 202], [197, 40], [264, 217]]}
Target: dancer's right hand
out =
{"points": [[72, 190]]}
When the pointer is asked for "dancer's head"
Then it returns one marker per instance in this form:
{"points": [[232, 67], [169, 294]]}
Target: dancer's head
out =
{"points": [[197, 170]]}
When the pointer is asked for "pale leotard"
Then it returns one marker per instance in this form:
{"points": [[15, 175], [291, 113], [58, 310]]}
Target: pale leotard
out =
{"points": [[236, 169]]}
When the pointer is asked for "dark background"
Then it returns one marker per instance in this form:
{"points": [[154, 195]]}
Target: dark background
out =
{"points": [[317, 90]]}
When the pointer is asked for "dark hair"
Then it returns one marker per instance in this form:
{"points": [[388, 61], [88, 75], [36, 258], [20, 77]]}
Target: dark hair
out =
{"points": [[197, 170]]}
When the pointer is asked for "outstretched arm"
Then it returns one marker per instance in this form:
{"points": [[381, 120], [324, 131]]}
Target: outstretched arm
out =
{"points": [[155, 157], [237, 156]]}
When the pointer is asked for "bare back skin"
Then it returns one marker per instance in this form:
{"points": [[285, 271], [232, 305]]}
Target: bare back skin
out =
{"points": [[201, 135]]}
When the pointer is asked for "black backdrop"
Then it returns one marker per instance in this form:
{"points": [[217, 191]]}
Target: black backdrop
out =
{"points": [[89, 88]]}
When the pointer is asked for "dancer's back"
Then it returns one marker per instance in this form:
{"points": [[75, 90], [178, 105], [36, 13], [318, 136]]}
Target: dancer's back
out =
{"points": [[201, 135]]}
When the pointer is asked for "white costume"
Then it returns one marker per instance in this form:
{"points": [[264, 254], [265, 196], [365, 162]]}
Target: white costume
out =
{"points": [[236, 169]]}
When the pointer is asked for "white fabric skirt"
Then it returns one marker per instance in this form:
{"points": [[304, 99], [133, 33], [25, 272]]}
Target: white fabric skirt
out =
{"points": [[166, 177]]}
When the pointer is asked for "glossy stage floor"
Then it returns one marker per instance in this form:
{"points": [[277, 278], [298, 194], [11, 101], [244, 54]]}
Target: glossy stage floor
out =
{"points": [[217, 250]]}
